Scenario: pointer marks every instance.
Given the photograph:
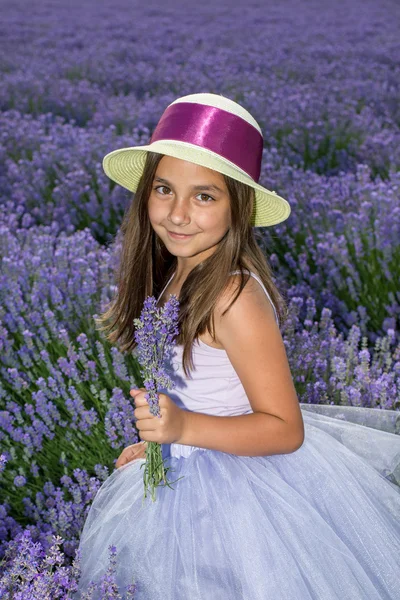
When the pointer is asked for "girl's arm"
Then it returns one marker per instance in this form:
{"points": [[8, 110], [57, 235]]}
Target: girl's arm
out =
{"points": [[251, 338], [256, 434]]}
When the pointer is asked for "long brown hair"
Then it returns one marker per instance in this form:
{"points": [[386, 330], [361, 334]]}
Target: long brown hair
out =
{"points": [[145, 265]]}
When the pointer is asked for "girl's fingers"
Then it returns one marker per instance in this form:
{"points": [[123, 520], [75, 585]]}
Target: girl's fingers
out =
{"points": [[131, 453], [136, 446], [139, 452], [141, 412], [147, 424]]}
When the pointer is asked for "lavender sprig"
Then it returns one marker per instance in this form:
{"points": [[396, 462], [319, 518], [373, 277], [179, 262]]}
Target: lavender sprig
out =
{"points": [[155, 332]]}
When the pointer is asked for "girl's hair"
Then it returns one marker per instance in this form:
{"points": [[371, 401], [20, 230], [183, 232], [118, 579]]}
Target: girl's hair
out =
{"points": [[145, 265]]}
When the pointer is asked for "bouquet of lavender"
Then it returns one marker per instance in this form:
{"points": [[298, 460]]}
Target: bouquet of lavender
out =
{"points": [[155, 331]]}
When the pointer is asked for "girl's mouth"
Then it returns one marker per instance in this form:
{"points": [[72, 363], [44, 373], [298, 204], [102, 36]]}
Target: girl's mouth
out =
{"points": [[179, 236]]}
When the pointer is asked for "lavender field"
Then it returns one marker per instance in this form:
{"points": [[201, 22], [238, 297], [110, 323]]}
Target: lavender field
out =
{"points": [[79, 80]]}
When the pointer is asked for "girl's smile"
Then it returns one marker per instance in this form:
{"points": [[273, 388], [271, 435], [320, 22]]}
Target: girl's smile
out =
{"points": [[179, 236]]}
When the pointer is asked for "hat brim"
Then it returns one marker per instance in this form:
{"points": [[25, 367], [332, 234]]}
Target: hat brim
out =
{"points": [[125, 166]]}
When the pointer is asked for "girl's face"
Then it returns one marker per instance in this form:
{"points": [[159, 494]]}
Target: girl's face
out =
{"points": [[183, 201]]}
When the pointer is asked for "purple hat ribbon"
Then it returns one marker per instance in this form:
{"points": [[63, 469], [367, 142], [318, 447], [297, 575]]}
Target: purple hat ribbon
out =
{"points": [[217, 130]]}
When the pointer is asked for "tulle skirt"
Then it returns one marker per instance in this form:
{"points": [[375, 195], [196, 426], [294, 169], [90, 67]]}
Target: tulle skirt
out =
{"points": [[320, 523]]}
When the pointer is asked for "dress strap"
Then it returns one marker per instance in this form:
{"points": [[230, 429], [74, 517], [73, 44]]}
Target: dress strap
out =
{"points": [[232, 273], [264, 288], [166, 285]]}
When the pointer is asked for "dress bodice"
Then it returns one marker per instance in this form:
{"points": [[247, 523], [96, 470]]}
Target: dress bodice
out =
{"points": [[213, 387]]}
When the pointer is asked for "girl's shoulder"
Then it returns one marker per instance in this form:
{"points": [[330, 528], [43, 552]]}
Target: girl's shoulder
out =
{"points": [[253, 294]]}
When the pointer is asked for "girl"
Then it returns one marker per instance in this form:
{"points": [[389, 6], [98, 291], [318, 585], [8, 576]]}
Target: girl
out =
{"points": [[275, 502]]}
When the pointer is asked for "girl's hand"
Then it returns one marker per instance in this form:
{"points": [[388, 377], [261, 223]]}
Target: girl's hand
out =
{"points": [[131, 453], [166, 429]]}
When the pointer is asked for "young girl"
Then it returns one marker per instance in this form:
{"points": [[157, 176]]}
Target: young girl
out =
{"points": [[275, 502]]}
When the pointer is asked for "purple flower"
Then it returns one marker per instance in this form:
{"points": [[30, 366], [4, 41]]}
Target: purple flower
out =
{"points": [[33, 572], [155, 332], [3, 461], [19, 481]]}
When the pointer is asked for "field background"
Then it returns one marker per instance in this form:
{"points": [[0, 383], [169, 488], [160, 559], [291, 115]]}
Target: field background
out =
{"points": [[80, 79]]}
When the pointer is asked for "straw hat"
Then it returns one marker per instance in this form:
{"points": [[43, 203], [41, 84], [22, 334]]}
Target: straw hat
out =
{"points": [[214, 132]]}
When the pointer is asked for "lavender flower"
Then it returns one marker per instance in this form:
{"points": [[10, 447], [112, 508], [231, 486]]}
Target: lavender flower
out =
{"points": [[3, 461], [155, 332], [34, 573]]}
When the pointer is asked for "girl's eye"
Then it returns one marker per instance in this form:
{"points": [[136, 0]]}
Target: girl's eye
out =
{"points": [[159, 187], [207, 196]]}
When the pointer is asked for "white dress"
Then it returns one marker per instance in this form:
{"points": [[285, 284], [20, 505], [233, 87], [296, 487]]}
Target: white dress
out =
{"points": [[321, 523]]}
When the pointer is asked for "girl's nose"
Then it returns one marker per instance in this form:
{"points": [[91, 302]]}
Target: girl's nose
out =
{"points": [[179, 213]]}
